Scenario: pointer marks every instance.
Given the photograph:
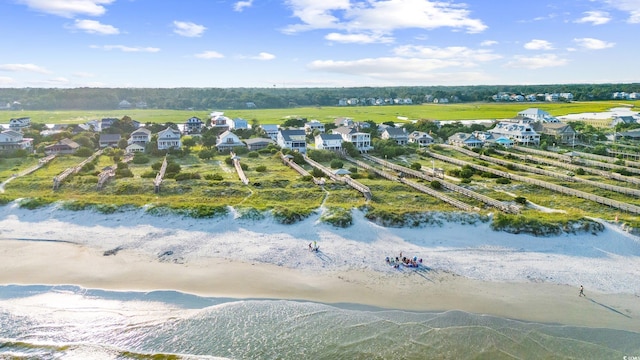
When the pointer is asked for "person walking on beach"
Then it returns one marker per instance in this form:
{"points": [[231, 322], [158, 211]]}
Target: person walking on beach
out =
{"points": [[582, 291]]}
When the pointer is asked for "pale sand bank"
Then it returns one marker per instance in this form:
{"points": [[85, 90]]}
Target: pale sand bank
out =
{"points": [[30, 262]]}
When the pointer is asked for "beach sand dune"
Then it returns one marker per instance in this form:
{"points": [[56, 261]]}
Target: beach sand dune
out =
{"points": [[465, 267]]}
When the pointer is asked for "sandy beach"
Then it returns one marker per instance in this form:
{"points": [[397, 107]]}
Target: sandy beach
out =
{"points": [[241, 259]]}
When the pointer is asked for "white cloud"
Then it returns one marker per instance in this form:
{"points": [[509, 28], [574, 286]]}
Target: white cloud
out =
{"points": [[124, 48], [397, 69], [381, 16], [240, 5], [536, 62], [412, 63], [68, 8], [209, 55], [488, 43], [595, 18], [24, 67], [95, 27], [264, 56], [537, 44], [358, 38], [82, 74], [459, 54], [4, 80], [630, 6], [593, 44], [188, 29]]}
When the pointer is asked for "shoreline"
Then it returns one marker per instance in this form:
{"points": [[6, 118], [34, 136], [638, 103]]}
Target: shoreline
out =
{"points": [[62, 263]]}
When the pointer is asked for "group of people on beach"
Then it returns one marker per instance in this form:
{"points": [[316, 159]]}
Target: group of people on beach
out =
{"points": [[403, 260]]}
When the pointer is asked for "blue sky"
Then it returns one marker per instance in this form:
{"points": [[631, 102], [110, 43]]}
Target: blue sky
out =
{"points": [[316, 43]]}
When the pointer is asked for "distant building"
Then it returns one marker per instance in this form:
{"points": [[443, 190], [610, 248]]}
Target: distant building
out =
{"points": [[313, 125], [193, 125], [399, 135], [227, 141], [538, 115], [238, 124], [271, 130], [520, 132], [124, 104], [258, 143], [109, 140], [19, 123], [64, 146], [361, 140], [11, 140]]}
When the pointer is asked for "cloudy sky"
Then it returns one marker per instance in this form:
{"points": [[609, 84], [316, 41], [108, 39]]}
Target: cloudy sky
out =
{"points": [[316, 43]]}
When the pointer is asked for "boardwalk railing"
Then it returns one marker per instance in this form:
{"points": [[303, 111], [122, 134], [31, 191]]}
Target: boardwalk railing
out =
{"points": [[553, 174], [504, 207], [425, 189], [60, 178], [288, 160], [349, 181], [236, 163], [106, 175], [553, 187], [158, 180], [598, 161], [572, 166]]}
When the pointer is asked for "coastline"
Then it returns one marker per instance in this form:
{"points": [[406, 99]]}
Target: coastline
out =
{"points": [[32, 263], [467, 267]]}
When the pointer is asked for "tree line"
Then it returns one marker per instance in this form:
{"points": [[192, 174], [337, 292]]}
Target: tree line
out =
{"points": [[277, 98]]}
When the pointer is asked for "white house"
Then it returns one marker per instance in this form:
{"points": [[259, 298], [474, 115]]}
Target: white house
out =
{"points": [[520, 132], [271, 130], [169, 138], [13, 140], [134, 148], [312, 125], [141, 136], [19, 123], [538, 115], [421, 138], [227, 140], [328, 141], [294, 139], [361, 140]]}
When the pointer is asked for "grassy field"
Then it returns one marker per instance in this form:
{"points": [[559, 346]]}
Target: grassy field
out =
{"points": [[378, 114]]}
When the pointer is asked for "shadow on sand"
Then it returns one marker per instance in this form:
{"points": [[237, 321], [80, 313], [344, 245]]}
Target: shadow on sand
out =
{"points": [[610, 308]]}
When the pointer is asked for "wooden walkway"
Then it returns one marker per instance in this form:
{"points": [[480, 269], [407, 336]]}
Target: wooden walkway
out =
{"points": [[288, 160], [60, 178], [504, 207], [553, 187], [345, 179], [158, 180], [425, 189], [236, 163]]}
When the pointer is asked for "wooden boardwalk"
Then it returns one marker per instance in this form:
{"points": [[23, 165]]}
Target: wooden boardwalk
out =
{"points": [[634, 209]]}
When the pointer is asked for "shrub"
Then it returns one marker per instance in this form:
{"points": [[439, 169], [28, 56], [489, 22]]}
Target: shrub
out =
{"points": [[253, 154], [338, 217], [140, 159], [503, 181], [520, 200], [261, 168], [336, 164], [435, 184], [416, 166], [216, 177], [187, 176], [149, 174], [123, 173]]}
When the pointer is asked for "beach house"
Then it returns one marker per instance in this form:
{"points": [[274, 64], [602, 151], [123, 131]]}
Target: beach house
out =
{"points": [[169, 138], [293, 139]]}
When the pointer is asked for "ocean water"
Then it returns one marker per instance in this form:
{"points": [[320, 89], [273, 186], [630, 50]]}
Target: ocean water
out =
{"points": [[68, 322]]}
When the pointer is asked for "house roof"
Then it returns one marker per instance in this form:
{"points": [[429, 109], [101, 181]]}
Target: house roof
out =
{"points": [[109, 137], [145, 131], [171, 130], [255, 141], [395, 132], [70, 143], [330, 136], [292, 134]]}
